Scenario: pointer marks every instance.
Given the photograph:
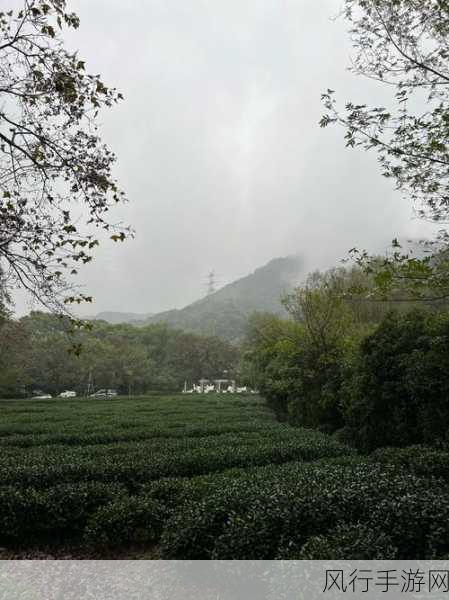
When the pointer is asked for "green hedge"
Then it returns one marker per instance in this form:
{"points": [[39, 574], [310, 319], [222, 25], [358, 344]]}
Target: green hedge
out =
{"points": [[125, 522], [343, 508], [265, 491], [138, 464], [422, 460], [351, 541], [56, 515], [259, 516]]}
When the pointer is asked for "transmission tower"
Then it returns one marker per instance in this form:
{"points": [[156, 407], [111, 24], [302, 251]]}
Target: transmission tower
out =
{"points": [[211, 282]]}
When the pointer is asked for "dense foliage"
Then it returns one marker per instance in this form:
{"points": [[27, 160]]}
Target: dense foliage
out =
{"points": [[299, 381], [39, 354], [379, 378], [84, 471], [300, 364], [400, 388], [211, 477], [311, 510]]}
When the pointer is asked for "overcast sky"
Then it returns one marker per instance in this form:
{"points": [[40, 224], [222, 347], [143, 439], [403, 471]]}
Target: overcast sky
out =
{"points": [[219, 148]]}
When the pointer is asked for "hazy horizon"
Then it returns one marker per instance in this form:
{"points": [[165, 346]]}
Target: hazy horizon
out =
{"points": [[219, 148]]}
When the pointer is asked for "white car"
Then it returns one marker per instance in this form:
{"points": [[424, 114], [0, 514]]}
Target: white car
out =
{"points": [[67, 394], [43, 397], [104, 394], [99, 394]]}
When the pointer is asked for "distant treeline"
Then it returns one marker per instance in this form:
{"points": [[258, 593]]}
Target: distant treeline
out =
{"points": [[38, 353]]}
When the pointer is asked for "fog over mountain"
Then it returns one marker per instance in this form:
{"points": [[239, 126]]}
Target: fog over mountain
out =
{"points": [[219, 148], [119, 317], [224, 312]]}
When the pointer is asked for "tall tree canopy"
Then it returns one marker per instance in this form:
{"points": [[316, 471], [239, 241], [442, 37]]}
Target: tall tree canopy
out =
{"points": [[133, 360], [56, 186], [404, 44]]}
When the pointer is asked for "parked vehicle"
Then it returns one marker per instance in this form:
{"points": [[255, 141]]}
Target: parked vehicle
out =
{"points": [[99, 394], [68, 394], [43, 397], [104, 394]]}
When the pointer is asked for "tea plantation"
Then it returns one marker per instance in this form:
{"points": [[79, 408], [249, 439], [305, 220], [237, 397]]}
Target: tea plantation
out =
{"points": [[208, 477]]}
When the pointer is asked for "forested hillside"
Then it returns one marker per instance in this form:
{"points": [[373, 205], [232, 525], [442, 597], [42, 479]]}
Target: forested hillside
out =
{"points": [[118, 317], [225, 312]]}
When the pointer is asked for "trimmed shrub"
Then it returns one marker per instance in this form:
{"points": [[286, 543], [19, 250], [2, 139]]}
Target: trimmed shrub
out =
{"points": [[124, 522], [59, 514], [351, 541], [421, 460], [262, 515]]}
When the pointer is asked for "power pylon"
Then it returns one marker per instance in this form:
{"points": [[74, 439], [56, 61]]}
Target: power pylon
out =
{"points": [[211, 283]]}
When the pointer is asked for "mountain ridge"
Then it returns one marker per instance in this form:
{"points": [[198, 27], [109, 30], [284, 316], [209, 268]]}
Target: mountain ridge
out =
{"points": [[115, 317], [224, 313]]}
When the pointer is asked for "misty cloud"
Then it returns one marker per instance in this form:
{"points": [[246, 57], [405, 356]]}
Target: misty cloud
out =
{"points": [[219, 148]]}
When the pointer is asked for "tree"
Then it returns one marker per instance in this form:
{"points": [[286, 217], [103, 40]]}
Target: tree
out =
{"points": [[320, 305], [331, 331], [4, 302], [400, 387], [191, 357], [38, 353], [271, 359], [56, 186], [299, 364], [14, 349], [404, 44]]}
